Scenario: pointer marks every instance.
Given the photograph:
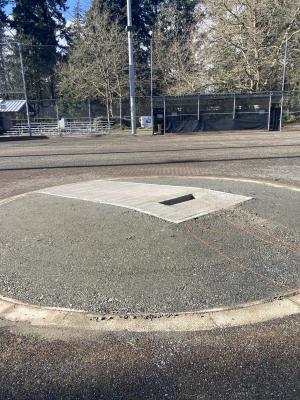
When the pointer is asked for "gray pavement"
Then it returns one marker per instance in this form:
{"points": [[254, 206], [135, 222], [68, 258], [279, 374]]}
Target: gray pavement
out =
{"points": [[126, 151], [252, 362], [34, 164]]}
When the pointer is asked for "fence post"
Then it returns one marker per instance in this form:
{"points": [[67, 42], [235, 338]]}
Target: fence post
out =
{"points": [[24, 88], [164, 115], [198, 108], [120, 114], [234, 106], [57, 117], [90, 115], [269, 112]]}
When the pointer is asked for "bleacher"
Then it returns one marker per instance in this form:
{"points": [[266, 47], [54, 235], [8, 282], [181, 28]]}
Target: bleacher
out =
{"points": [[52, 128]]}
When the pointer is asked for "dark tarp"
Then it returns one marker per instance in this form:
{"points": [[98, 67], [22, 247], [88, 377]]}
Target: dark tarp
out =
{"points": [[251, 121], [180, 113], [216, 123], [186, 124]]}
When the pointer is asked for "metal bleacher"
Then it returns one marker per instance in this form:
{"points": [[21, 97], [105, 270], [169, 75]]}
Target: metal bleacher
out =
{"points": [[52, 128]]}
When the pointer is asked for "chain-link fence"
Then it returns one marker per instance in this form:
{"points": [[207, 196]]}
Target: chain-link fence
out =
{"points": [[60, 118], [192, 113], [217, 112]]}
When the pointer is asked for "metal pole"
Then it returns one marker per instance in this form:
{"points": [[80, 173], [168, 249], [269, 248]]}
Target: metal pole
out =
{"points": [[24, 88], [164, 115], [131, 68], [151, 69], [120, 114], [234, 106], [198, 108], [283, 81], [90, 115], [269, 115]]}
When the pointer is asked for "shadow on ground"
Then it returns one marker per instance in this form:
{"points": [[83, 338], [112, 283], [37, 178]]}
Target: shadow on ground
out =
{"points": [[258, 362]]}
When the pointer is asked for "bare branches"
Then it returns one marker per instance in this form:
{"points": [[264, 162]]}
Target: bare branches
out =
{"points": [[97, 65], [234, 45], [247, 39]]}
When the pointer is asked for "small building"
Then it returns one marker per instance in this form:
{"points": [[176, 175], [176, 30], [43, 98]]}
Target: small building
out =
{"points": [[11, 112]]}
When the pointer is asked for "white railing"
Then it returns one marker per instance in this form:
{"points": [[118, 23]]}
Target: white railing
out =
{"points": [[52, 128]]}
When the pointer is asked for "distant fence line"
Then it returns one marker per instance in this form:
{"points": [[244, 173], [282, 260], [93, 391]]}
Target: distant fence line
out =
{"points": [[61, 117]]}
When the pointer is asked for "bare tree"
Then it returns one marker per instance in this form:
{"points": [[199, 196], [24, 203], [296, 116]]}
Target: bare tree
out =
{"points": [[97, 65], [226, 45], [246, 38]]}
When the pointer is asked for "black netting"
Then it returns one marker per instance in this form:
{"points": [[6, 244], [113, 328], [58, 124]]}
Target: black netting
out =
{"points": [[216, 112]]}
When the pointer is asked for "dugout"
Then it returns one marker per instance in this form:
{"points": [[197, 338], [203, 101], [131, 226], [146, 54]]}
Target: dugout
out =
{"points": [[202, 113], [11, 111]]}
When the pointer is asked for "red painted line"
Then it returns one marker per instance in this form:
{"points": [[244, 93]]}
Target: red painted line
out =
{"points": [[236, 262], [281, 242], [290, 246]]}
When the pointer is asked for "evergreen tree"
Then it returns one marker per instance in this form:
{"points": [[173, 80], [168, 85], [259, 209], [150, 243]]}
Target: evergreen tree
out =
{"points": [[144, 13], [3, 17], [176, 70], [40, 27], [76, 24], [177, 17], [10, 72], [2, 49]]}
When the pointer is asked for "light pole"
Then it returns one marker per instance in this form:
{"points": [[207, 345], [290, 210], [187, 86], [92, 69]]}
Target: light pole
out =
{"points": [[284, 74], [131, 68], [151, 84], [283, 80], [24, 88]]}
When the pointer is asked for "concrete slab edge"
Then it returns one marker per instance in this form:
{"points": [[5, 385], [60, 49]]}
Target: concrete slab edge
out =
{"points": [[15, 311], [293, 188], [152, 214], [13, 198]]}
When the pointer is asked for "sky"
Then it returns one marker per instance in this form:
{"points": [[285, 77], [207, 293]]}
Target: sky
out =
{"points": [[85, 4]]}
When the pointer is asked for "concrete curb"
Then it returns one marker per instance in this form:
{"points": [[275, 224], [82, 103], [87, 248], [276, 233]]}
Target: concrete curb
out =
{"points": [[15, 311]]}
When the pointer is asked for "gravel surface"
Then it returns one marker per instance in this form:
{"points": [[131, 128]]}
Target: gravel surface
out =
{"points": [[73, 253]]}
